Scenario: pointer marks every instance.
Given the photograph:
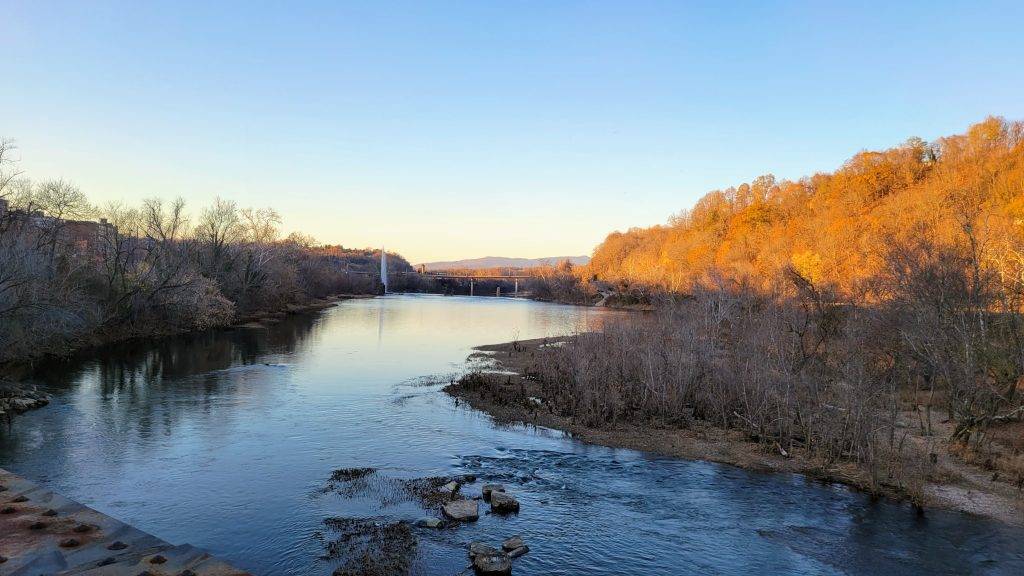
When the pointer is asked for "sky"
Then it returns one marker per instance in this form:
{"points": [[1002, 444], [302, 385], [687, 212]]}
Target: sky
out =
{"points": [[448, 130]]}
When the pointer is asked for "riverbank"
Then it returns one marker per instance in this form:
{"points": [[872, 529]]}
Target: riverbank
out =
{"points": [[503, 388], [263, 318], [18, 396]]}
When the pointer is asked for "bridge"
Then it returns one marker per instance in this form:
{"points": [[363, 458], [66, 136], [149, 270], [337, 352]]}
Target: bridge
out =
{"points": [[472, 278], [442, 274], [384, 274]]}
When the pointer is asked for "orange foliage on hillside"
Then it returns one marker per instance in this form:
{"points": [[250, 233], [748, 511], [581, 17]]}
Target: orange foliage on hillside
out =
{"points": [[835, 229]]}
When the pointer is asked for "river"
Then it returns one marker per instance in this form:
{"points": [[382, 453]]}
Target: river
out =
{"points": [[225, 440]]}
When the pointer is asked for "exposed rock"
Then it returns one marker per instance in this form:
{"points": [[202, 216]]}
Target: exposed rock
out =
{"points": [[517, 552], [487, 489], [512, 543], [477, 548], [158, 559], [492, 564], [19, 398], [451, 487], [69, 543], [462, 510], [503, 503], [430, 522]]}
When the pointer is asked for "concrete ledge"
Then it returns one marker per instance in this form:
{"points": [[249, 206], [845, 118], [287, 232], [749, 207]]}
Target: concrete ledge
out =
{"points": [[44, 533]]}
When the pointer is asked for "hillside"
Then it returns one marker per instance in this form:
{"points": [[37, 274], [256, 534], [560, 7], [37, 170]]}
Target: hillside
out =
{"points": [[917, 202], [503, 262]]}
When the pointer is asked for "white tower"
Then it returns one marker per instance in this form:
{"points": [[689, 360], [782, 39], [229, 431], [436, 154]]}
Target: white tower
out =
{"points": [[384, 269]]}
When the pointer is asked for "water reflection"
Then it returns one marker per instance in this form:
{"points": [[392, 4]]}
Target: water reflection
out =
{"points": [[223, 439]]}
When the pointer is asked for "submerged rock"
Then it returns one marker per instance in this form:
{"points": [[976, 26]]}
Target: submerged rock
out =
{"points": [[430, 522], [350, 474], [503, 503], [462, 510], [429, 491], [370, 547]]}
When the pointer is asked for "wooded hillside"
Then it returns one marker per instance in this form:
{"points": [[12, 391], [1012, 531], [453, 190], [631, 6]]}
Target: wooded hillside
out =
{"points": [[842, 228]]}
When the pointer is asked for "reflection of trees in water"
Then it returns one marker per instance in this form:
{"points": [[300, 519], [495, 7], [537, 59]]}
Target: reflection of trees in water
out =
{"points": [[118, 366], [144, 387]]}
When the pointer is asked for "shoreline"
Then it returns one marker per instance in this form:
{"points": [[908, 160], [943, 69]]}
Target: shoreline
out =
{"points": [[499, 389], [18, 397]]}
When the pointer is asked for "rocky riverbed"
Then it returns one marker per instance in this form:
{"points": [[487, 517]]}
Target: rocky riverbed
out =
{"points": [[386, 545]]}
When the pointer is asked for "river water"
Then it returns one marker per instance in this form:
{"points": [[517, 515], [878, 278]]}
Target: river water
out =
{"points": [[225, 439]]}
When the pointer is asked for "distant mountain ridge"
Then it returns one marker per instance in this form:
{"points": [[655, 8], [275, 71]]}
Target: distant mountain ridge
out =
{"points": [[502, 262]]}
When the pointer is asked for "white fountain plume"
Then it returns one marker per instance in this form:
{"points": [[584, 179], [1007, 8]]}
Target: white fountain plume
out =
{"points": [[384, 269]]}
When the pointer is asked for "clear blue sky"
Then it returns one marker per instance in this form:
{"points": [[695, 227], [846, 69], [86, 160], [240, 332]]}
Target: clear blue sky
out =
{"points": [[464, 129]]}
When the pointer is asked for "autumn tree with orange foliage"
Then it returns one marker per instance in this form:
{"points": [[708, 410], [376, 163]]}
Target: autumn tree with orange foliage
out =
{"points": [[873, 314], [834, 228]]}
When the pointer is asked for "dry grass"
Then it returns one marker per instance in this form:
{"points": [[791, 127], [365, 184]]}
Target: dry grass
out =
{"points": [[828, 389]]}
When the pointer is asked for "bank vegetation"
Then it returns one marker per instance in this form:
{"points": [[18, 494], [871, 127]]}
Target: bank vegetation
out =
{"points": [[74, 274], [870, 316]]}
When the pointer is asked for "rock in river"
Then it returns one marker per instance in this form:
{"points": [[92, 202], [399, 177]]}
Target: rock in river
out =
{"points": [[462, 510], [488, 489], [518, 551], [503, 503], [492, 564], [515, 547], [488, 560], [478, 548], [430, 522], [512, 543]]}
